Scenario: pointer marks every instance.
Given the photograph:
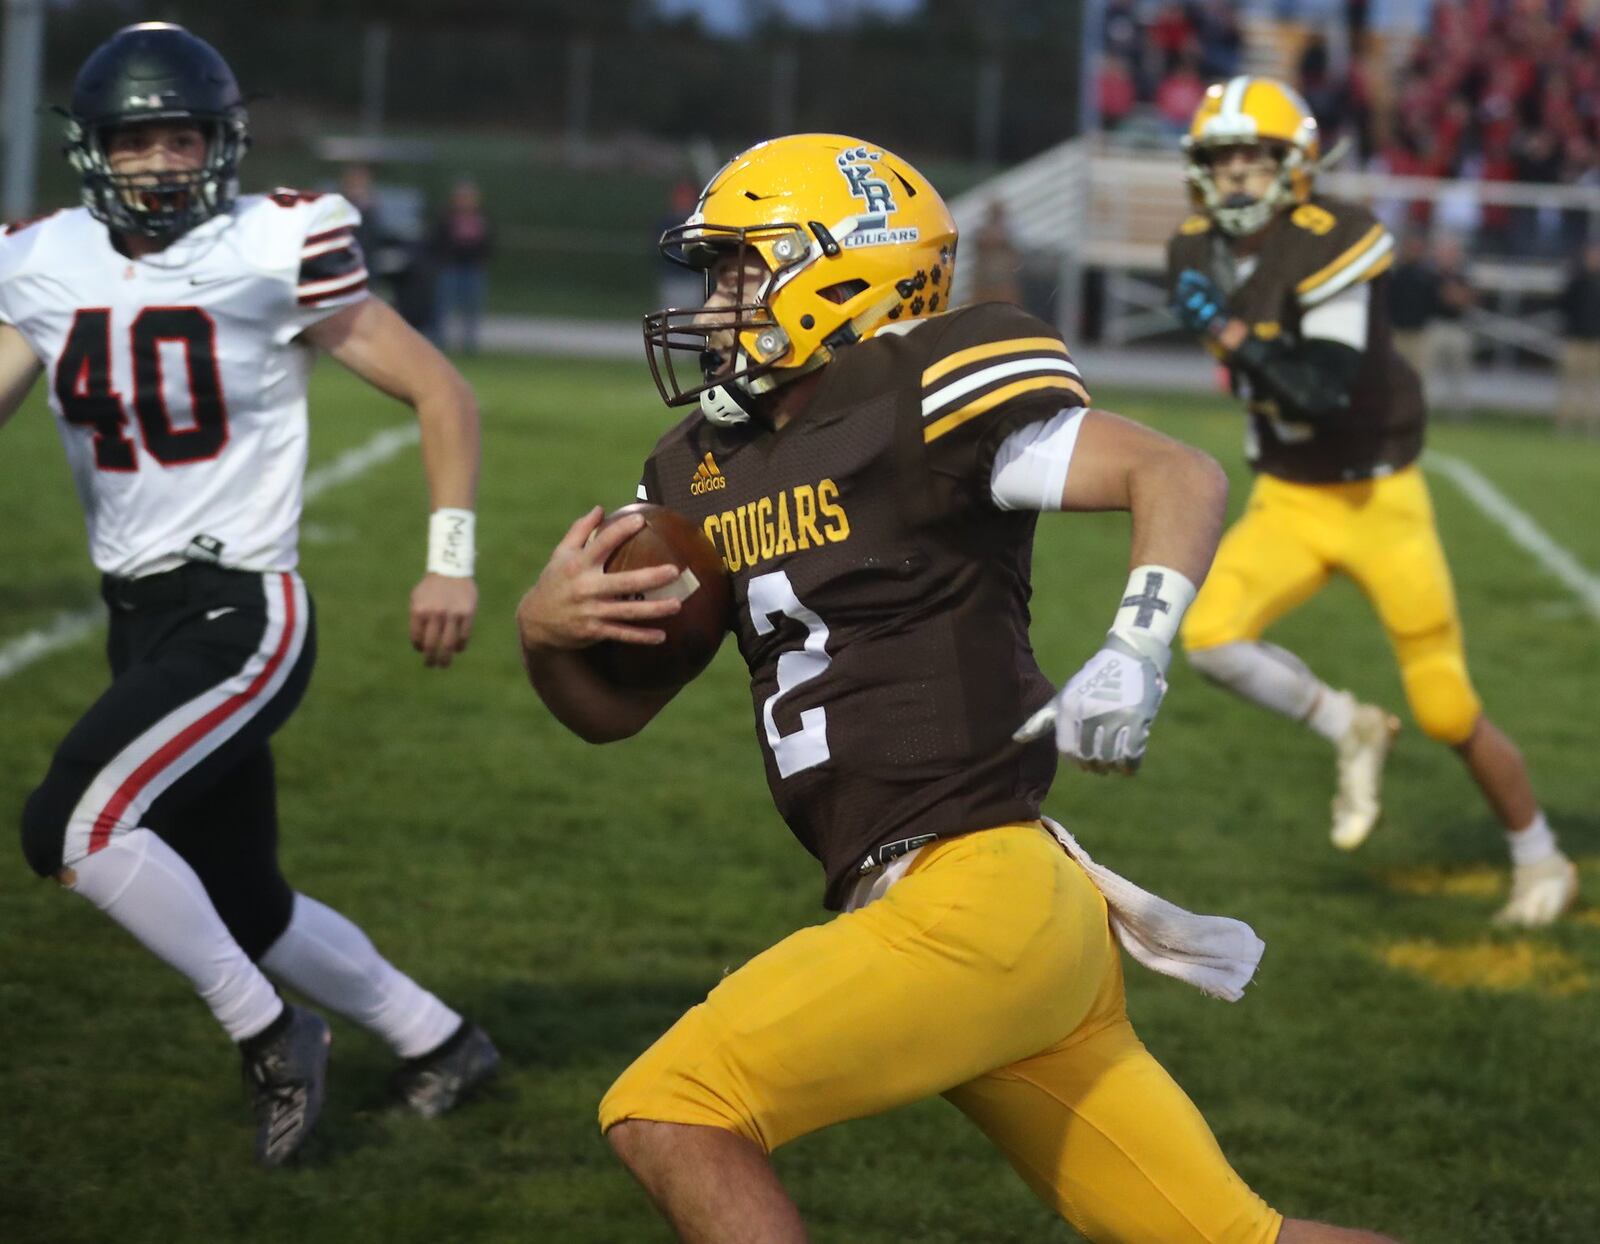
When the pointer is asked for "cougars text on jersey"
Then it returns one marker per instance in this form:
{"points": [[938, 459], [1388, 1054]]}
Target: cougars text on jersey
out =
{"points": [[881, 598]]}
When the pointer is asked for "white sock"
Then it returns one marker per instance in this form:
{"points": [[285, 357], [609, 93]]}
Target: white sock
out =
{"points": [[1332, 714], [326, 957], [147, 888], [1275, 678], [1532, 844]]}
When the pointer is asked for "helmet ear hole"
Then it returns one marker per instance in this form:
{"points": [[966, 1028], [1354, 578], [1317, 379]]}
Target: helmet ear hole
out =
{"points": [[843, 291]]}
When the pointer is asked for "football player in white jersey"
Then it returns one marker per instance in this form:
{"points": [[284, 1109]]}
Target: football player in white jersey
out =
{"points": [[175, 323]]}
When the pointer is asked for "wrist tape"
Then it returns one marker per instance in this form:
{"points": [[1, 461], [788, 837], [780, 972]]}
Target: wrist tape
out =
{"points": [[450, 543], [1152, 606]]}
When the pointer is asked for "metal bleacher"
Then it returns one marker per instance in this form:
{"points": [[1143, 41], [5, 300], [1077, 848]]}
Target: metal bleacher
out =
{"points": [[1087, 206]]}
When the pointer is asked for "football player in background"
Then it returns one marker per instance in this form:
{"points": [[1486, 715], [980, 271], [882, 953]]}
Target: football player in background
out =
{"points": [[879, 462], [176, 323], [1288, 289]]}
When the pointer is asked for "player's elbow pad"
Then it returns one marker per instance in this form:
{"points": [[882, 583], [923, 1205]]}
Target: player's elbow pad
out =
{"points": [[1310, 380]]}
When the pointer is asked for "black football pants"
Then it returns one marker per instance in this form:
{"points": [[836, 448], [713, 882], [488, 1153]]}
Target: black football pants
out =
{"points": [[207, 664]]}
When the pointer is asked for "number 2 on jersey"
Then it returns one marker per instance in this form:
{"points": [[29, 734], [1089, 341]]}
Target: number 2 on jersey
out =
{"points": [[86, 396], [772, 595]]}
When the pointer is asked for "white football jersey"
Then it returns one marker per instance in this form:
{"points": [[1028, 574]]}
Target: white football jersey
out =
{"points": [[177, 382]]}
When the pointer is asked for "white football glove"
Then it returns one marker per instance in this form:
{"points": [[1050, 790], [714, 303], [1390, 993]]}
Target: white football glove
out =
{"points": [[1102, 717]]}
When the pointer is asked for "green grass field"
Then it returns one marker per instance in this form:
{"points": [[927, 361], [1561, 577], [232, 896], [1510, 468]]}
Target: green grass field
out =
{"points": [[1398, 1064]]}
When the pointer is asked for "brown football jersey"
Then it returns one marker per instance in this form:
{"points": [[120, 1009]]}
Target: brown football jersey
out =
{"points": [[881, 598], [1307, 256]]}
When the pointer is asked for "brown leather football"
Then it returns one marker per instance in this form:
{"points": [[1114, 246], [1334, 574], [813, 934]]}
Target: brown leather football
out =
{"points": [[695, 632]]}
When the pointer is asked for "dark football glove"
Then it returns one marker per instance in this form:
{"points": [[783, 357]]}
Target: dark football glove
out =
{"points": [[1196, 301]]}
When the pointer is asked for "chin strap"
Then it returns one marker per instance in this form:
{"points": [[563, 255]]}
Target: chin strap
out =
{"points": [[726, 405]]}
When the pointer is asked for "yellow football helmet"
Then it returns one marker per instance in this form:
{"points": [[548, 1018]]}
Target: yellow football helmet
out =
{"points": [[853, 238], [1247, 110]]}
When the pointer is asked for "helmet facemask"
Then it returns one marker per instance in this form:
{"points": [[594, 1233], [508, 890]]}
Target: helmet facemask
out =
{"points": [[741, 348], [158, 205], [716, 337], [1237, 214]]}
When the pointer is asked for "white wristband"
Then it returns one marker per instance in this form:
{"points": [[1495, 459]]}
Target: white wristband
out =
{"points": [[450, 543], [1152, 606]]}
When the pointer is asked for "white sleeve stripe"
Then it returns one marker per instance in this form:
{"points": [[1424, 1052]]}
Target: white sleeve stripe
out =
{"points": [[1377, 257], [320, 289], [323, 235], [641, 493], [956, 390], [1031, 465], [322, 248]]}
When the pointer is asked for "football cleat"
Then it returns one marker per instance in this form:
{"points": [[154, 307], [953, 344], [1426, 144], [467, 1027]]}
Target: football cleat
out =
{"points": [[1540, 892], [434, 1083], [1362, 750], [285, 1080]]}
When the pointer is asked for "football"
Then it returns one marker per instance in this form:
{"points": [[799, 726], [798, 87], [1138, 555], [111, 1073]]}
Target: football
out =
{"points": [[695, 632]]}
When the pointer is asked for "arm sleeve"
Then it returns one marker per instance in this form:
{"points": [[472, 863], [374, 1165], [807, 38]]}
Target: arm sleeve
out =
{"points": [[1031, 465], [992, 370], [1343, 318]]}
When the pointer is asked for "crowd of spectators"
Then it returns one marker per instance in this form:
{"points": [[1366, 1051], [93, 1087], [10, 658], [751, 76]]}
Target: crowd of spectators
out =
{"points": [[1478, 90], [433, 268], [1158, 59], [1488, 90], [1499, 91]]}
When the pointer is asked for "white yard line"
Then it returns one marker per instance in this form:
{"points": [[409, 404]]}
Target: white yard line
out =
{"points": [[1520, 529], [69, 628]]}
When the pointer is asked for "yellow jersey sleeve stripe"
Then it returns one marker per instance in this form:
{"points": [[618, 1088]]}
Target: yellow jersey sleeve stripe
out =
{"points": [[974, 384], [1376, 261], [1368, 240], [948, 423], [994, 349]]}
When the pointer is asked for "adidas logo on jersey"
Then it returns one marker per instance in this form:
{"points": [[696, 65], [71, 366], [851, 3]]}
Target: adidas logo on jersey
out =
{"points": [[708, 477]]}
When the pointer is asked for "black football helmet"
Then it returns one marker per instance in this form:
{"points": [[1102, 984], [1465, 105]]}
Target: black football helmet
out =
{"points": [[156, 71]]}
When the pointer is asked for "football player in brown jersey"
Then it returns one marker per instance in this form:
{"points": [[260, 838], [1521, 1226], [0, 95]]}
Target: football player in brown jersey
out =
{"points": [[1288, 289], [870, 465]]}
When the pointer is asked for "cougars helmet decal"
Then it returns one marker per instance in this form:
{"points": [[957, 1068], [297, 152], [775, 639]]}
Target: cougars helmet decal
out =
{"points": [[852, 238]]}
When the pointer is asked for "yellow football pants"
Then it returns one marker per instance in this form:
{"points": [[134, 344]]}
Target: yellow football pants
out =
{"points": [[988, 973], [1382, 534]]}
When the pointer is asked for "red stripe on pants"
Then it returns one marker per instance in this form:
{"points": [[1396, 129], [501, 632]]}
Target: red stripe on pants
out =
{"points": [[106, 819]]}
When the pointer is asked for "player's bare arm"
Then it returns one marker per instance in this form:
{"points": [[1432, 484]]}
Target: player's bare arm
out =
{"points": [[1176, 496], [575, 603], [18, 370], [373, 341]]}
